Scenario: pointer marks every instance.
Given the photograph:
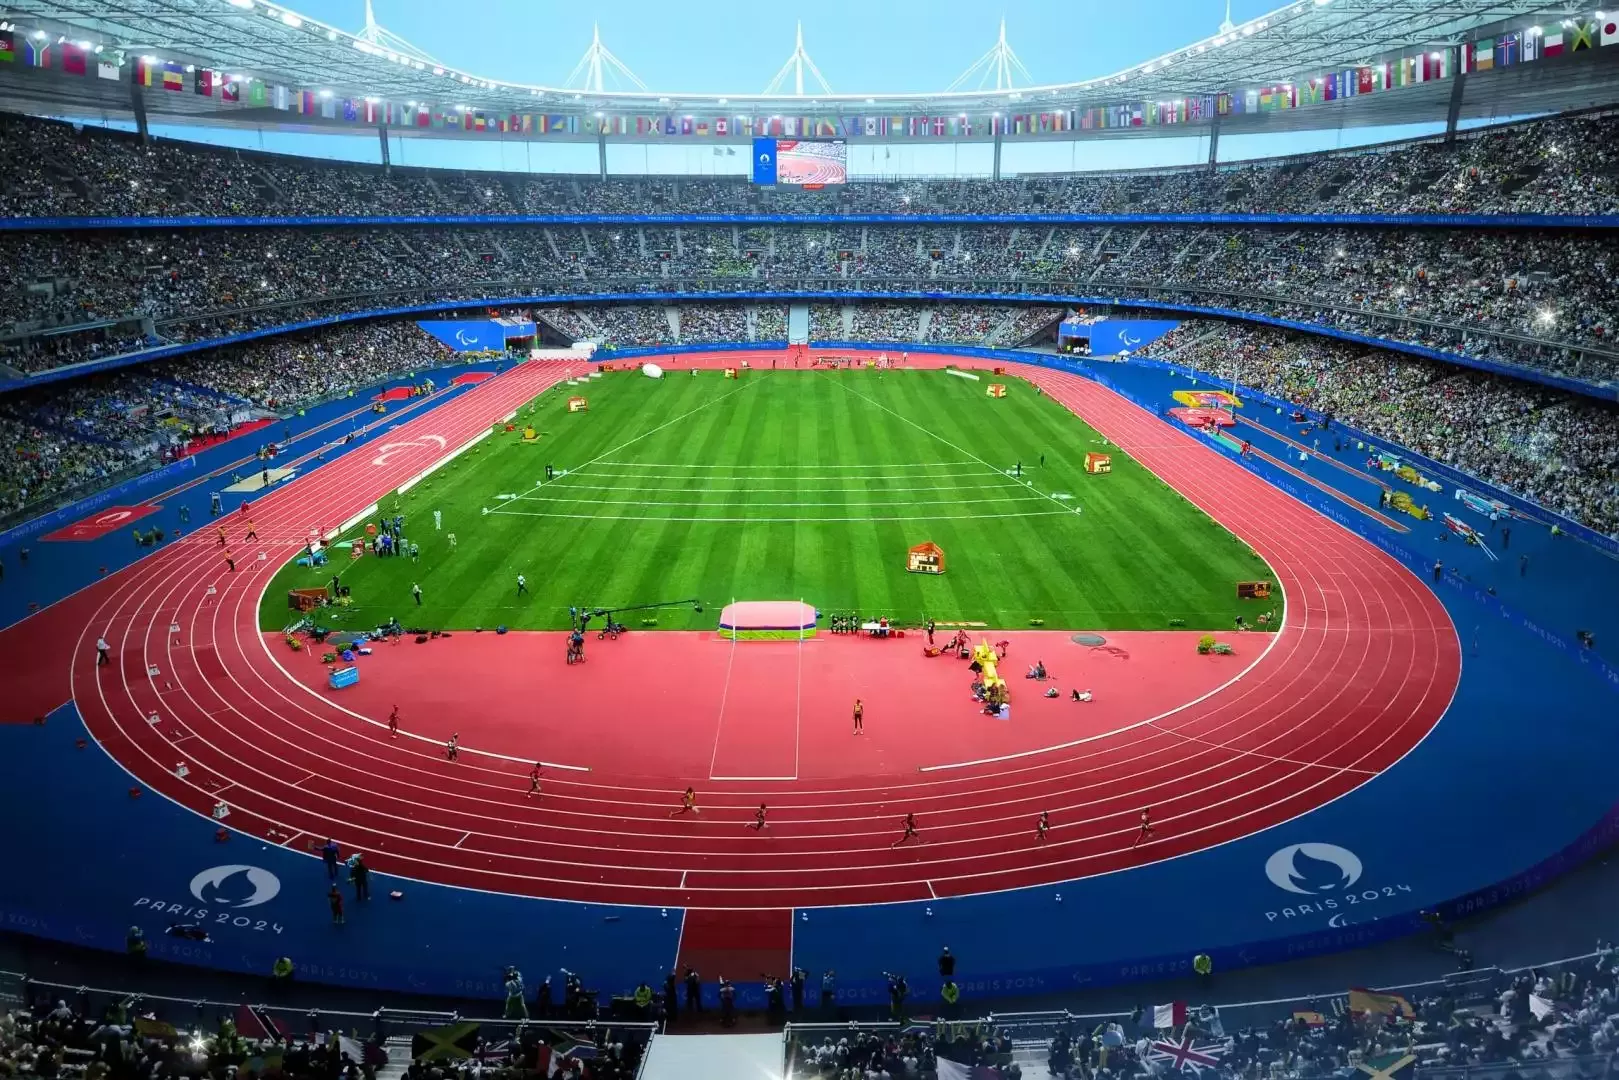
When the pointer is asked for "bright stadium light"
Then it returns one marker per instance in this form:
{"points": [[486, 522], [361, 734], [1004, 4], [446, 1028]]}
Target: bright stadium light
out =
{"points": [[331, 35], [292, 20], [325, 93], [1547, 315]]}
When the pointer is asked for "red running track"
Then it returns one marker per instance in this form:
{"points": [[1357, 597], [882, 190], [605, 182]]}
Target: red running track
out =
{"points": [[1364, 666]]}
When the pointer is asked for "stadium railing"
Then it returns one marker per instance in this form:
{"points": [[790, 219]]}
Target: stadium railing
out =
{"points": [[203, 1016]]}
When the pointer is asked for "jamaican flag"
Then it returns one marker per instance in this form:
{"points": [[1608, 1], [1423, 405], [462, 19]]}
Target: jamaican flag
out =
{"points": [[452, 1042]]}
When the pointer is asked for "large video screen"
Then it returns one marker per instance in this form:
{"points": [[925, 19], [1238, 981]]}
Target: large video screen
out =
{"points": [[800, 162]]}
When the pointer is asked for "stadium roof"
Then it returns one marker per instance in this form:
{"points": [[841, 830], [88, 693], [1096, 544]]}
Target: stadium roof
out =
{"points": [[1297, 41]]}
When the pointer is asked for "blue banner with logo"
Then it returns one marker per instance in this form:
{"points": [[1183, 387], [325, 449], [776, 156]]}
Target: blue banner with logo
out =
{"points": [[470, 335], [764, 161]]}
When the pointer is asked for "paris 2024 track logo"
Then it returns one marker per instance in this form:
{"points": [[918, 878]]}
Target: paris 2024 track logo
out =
{"points": [[1329, 877]]}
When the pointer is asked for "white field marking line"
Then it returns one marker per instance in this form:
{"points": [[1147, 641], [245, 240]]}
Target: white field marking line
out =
{"points": [[1452, 631], [648, 434], [784, 468], [783, 520], [798, 705], [852, 506], [464, 838], [706, 490], [1068, 507], [1217, 745], [771, 779], [930, 890], [725, 692]]}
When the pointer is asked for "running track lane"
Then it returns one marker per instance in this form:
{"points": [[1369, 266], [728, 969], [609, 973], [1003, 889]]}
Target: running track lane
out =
{"points": [[1365, 665]]}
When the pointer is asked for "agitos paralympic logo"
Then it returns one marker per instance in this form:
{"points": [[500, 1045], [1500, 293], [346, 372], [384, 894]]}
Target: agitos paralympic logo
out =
{"points": [[1330, 876]]}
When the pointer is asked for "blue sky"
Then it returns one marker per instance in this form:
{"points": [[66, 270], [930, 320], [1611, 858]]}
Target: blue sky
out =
{"points": [[861, 46], [733, 46]]}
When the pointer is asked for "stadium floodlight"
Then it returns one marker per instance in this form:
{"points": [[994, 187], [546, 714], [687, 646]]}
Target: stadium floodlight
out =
{"points": [[290, 19], [798, 63], [1000, 63], [599, 70]]}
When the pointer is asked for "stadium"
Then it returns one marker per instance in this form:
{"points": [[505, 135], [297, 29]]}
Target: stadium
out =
{"points": [[1112, 575]]}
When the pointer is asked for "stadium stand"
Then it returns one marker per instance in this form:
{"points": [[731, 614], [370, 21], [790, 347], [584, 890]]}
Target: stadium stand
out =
{"points": [[1547, 301], [1547, 445], [1557, 166]]}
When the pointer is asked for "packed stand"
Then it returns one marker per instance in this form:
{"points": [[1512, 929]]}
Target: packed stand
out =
{"points": [[713, 322], [1553, 448], [80, 435], [1560, 165], [1536, 300], [631, 326]]}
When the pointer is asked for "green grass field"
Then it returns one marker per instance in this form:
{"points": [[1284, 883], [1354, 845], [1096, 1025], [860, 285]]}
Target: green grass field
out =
{"points": [[798, 485]]}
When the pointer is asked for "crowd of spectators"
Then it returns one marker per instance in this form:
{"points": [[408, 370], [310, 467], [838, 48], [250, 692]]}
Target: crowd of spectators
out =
{"points": [[56, 1040], [1543, 300], [1562, 165], [634, 325], [1549, 446], [1554, 448], [81, 434]]}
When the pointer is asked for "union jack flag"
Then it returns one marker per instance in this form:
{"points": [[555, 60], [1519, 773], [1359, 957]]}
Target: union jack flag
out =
{"points": [[1187, 1054]]}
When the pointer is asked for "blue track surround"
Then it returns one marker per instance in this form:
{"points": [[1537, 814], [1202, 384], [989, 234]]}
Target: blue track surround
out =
{"points": [[1455, 825], [1604, 391], [55, 569], [1406, 221]]}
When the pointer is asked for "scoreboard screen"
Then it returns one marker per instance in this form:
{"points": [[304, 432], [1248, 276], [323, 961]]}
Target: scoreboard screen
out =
{"points": [[800, 162]]}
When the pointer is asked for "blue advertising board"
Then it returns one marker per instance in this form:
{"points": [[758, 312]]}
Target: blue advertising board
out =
{"points": [[467, 335], [764, 161]]}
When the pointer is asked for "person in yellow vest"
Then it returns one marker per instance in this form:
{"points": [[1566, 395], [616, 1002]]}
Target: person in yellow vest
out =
{"points": [[643, 1001], [950, 994]]}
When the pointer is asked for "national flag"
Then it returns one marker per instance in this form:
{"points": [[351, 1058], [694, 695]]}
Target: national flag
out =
{"points": [[280, 98], [1309, 1019], [1580, 35], [1464, 58], [73, 58], [231, 91], [1541, 1007], [453, 1042], [1506, 50], [173, 76], [1395, 1066], [363, 1053], [1551, 43], [351, 109], [1531, 45], [1172, 1015], [722, 126], [1610, 30], [258, 93], [1484, 54], [104, 70], [371, 112], [8, 47], [559, 1047], [303, 101], [955, 1070], [204, 82], [36, 53], [255, 1022], [1371, 1001], [424, 116], [1187, 1055]]}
